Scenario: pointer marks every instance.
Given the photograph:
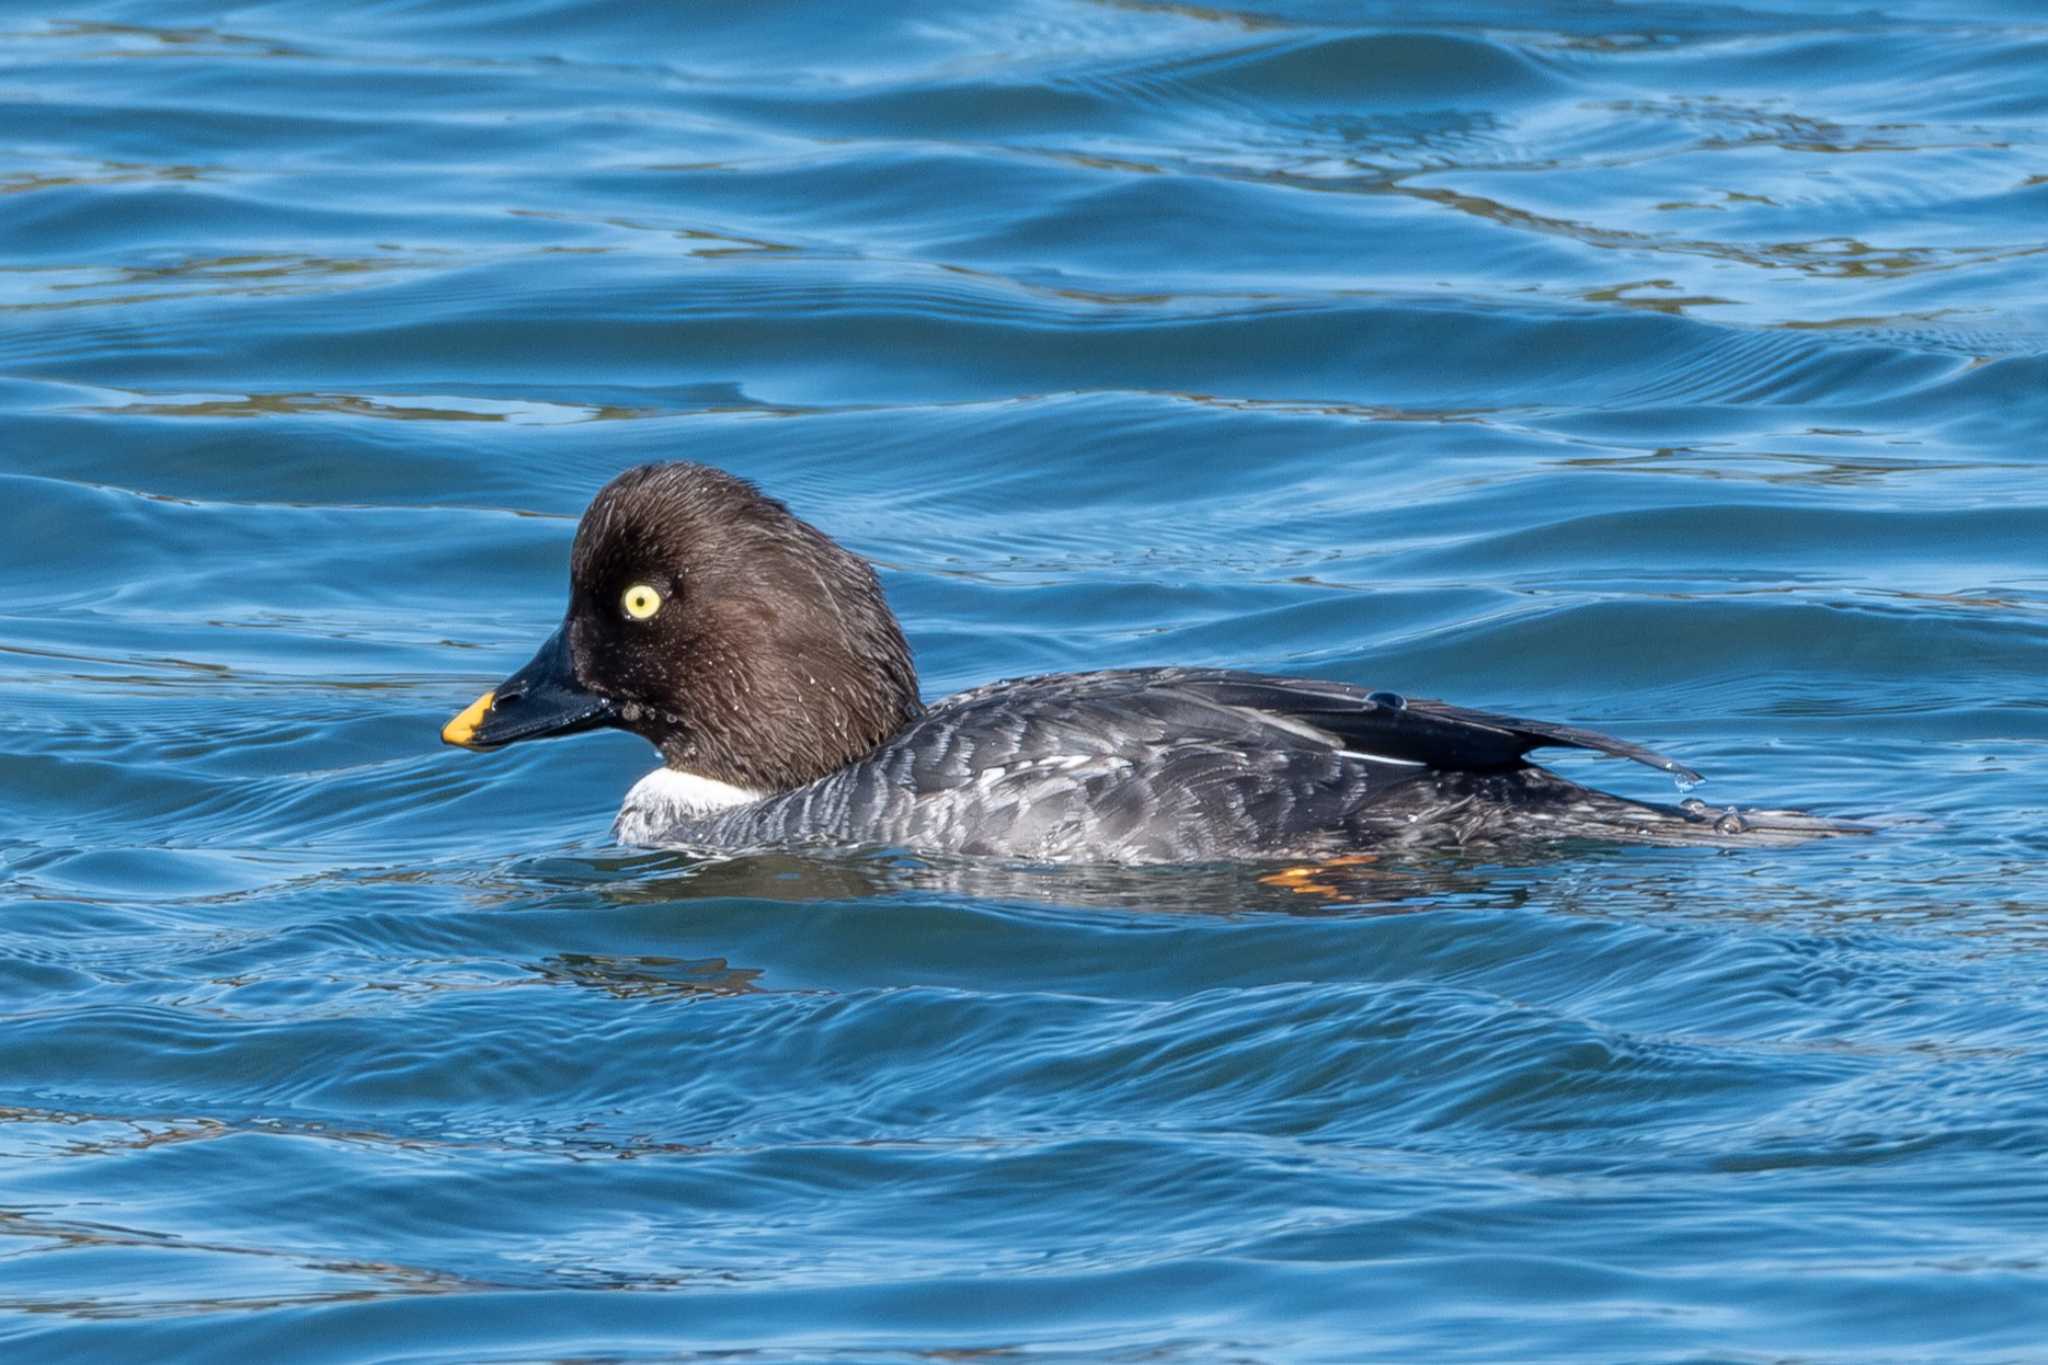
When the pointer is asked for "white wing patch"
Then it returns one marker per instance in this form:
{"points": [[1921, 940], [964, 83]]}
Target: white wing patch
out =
{"points": [[1382, 758]]}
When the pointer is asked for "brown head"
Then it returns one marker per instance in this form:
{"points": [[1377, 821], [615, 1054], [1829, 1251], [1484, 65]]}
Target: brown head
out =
{"points": [[705, 617]]}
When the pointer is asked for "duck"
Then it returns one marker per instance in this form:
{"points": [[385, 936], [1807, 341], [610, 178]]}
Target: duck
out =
{"points": [[762, 661]]}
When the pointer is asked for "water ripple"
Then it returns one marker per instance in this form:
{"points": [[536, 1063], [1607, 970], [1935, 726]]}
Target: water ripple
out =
{"points": [[1675, 370]]}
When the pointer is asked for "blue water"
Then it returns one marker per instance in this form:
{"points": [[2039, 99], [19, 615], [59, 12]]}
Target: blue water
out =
{"points": [[1675, 369]]}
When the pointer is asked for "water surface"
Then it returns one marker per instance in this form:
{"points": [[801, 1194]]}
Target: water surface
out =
{"points": [[1677, 370]]}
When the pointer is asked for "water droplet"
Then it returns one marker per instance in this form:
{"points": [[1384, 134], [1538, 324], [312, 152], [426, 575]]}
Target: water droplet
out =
{"points": [[1393, 701], [1694, 807], [1731, 822]]}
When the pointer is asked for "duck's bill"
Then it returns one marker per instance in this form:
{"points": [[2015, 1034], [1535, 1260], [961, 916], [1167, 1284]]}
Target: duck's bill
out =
{"points": [[539, 700]]}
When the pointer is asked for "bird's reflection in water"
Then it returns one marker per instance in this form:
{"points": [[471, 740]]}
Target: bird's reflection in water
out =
{"points": [[1342, 885], [748, 909], [643, 976]]}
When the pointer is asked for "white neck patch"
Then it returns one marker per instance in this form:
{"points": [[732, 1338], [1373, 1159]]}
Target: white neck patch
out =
{"points": [[666, 798]]}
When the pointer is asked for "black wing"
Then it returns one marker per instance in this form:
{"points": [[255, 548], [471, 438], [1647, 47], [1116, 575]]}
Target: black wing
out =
{"points": [[1385, 725]]}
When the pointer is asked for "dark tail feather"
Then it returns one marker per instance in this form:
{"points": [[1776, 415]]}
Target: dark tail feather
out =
{"points": [[1696, 822], [1535, 804]]}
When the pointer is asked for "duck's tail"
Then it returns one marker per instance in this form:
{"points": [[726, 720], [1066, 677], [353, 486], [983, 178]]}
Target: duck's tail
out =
{"points": [[1533, 803]]}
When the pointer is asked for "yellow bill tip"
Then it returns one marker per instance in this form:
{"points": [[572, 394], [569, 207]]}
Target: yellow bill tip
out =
{"points": [[462, 729]]}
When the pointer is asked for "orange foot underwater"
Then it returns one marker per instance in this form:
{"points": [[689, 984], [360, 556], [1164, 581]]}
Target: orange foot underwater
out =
{"points": [[1302, 880]]}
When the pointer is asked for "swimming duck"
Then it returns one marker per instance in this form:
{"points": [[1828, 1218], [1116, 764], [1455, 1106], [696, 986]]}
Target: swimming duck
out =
{"points": [[762, 661]]}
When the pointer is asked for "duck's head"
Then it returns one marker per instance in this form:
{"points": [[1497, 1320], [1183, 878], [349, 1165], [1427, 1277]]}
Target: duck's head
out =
{"points": [[705, 617]]}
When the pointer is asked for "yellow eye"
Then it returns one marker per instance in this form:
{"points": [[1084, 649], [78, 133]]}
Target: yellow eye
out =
{"points": [[641, 601]]}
